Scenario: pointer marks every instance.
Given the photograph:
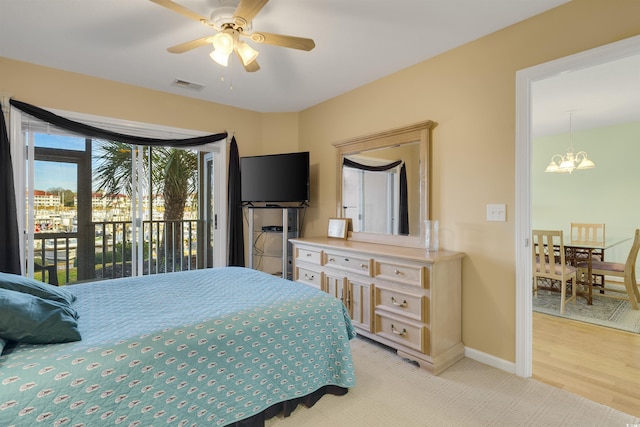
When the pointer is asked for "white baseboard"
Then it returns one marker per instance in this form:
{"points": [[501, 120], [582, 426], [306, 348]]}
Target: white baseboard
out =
{"points": [[490, 360]]}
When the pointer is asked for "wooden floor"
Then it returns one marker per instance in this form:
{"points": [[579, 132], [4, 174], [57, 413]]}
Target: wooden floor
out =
{"points": [[601, 364]]}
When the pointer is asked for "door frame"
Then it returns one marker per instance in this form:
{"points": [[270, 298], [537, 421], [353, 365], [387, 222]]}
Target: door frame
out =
{"points": [[217, 158], [524, 79], [82, 161]]}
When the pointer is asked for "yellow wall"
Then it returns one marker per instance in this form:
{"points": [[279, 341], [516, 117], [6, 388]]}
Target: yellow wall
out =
{"points": [[50, 88], [469, 92], [280, 133]]}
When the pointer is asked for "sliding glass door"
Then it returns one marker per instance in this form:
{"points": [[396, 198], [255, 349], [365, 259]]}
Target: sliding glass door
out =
{"points": [[98, 209]]}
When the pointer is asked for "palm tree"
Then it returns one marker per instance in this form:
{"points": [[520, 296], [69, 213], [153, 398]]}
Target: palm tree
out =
{"points": [[172, 172]]}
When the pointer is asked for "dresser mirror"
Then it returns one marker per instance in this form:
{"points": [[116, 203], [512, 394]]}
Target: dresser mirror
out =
{"points": [[383, 185]]}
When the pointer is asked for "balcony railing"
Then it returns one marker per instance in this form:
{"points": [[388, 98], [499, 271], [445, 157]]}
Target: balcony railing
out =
{"points": [[167, 246], [55, 249]]}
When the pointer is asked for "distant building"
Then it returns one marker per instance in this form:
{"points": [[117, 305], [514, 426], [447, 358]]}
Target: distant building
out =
{"points": [[45, 199], [105, 207]]}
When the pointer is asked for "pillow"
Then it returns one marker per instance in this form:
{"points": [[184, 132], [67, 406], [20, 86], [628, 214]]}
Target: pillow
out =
{"points": [[15, 282], [30, 319]]}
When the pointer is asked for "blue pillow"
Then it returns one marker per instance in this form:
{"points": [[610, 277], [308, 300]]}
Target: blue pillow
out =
{"points": [[15, 282], [30, 319]]}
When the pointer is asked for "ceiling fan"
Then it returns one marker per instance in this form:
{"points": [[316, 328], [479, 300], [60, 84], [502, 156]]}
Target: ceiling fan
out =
{"points": [[232, 20]]}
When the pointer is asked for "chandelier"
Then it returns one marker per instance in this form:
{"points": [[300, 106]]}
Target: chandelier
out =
{"points": [[570, 161]]}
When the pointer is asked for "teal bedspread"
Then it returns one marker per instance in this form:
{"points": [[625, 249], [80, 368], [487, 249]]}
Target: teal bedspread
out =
{"points": [[204, 347]]}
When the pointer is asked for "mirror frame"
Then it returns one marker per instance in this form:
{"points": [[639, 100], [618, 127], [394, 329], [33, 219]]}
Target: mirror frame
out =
{"points": [[417, 132]]}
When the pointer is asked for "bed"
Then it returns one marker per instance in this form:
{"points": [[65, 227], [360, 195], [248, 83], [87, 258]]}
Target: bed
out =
{"points": [[206, 347]]}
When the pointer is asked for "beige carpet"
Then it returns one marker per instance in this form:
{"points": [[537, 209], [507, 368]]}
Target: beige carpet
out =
{"points": [[393, 392]]}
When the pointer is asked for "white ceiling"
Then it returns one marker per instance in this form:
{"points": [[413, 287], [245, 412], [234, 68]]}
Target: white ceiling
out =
{"points": [[601, 95], [357, 41]]}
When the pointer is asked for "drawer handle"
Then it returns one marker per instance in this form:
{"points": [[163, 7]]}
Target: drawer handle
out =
{"points": [[402, 304], [346, 260], [363, 265], [306, 276], [397, 272], [397, 332], [308, 255], [332, 259]]}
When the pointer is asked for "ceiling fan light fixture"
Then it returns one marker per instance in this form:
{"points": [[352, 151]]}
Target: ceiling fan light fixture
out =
{"points": [[223, 42], [247, 53], [220, 57]]}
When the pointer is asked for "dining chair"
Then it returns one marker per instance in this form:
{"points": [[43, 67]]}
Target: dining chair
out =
{"points": [[549, 263], [587, 233], [626, 271]]}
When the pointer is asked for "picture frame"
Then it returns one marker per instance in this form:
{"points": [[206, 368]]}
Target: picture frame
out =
{"points": [[337, 228]]}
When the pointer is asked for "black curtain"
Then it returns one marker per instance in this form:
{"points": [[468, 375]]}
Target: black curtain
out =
{"points": [[9, 236], [235, 231], [94, 132], [403, 225], [404, 201]]}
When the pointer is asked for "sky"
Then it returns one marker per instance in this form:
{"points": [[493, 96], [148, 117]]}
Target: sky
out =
{"points": [[54, 174]]}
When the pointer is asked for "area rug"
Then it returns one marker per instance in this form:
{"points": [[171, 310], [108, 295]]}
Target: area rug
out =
{"points": [[608, 312]]}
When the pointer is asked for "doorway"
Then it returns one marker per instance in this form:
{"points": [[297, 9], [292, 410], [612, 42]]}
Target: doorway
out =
{"points": [[524, 80]]}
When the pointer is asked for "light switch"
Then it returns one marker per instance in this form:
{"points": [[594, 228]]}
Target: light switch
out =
{"points": [[497, 212]]}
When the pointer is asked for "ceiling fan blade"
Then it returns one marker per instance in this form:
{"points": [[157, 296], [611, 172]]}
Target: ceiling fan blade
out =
{"points": [[175, 7], [284, 41], [183, 47], [248, 9]]}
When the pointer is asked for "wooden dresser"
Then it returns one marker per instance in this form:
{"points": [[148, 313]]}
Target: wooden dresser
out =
{"points": [[405, 298]]}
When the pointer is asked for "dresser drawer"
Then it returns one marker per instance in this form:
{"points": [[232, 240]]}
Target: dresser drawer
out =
{"points": [[309, 277], [407, 304], [408, 274], [348, 262], [312, 256], [402, 331]]}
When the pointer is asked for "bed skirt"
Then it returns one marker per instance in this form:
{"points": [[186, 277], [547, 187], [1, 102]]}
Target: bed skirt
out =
{"points": [[287, 407]]}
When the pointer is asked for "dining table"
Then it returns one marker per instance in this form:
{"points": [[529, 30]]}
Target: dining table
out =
{"points": [[587, 250]]}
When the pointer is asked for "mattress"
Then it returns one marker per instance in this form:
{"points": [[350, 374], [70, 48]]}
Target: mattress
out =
{"points": [[203, 347]]}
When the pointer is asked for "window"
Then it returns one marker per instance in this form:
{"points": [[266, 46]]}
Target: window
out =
{"points": [[102, 209]]}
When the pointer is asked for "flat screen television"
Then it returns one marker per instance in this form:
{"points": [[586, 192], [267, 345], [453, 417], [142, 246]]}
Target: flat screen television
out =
{"points": [[275, 178]]}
